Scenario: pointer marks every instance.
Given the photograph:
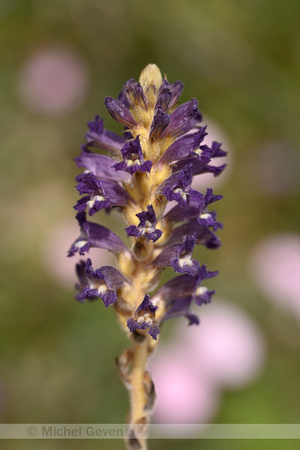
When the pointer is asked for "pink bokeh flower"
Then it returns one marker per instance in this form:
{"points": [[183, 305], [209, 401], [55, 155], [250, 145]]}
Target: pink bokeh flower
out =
{"points": [[53, 80], [230, 346], [184, 395], [226, 350], [275, 267]]}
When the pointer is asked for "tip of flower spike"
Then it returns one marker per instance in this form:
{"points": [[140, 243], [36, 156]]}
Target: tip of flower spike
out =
{"points": [[150, 76]]}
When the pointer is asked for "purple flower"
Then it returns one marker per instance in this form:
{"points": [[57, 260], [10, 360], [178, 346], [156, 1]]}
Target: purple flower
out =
{"points": [[181, 306], [133, 159], [203, 295], [185, 147], [101, 194], [100, 283], [179, 256], [203, 235], [181, 119], [159, 123], [197, 211], [183, 285], [179, 214], [217, 151], [119, 112], [95, 235], [198, 167], [132, 95], [144, 318], [179, 293], [178, 187], [100, 165], [146, 227], [174, 89], [164, 98], [97, 136]]}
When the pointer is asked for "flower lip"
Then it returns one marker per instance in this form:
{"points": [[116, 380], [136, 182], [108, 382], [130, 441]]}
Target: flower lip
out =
{"points": [[178, 187], [101, 194], [147, 226], [179, 256], [133, 159], [103, 282], [203, 295], [144, 318]]}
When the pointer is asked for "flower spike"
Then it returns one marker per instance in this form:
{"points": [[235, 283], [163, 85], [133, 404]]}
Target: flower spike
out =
{"points": [[145, 176]]}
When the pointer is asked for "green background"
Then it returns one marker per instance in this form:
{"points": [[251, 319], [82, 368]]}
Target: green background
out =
{"points": [[241, 60]]}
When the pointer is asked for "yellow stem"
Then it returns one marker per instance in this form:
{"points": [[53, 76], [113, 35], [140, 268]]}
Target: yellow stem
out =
{"points": [[138, 398]]}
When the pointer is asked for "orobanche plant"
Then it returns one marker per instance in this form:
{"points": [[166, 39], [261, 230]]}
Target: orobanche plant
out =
{"points": [[150, 165]]}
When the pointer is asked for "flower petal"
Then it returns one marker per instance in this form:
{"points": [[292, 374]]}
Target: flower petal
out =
{"points": [[100, 283], [99, 137], [100, 165], [133, 159], [183, 147], [159, 123], [179, 256], [144, 318], [95, 235], [146, 227], [119, 112], [181, 117]]}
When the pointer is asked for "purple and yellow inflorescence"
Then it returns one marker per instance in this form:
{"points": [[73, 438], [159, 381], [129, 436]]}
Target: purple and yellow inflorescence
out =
{"points": [[151, 165]]}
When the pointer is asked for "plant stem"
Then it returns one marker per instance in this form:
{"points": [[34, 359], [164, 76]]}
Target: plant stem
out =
{"points": [[138, 397]]}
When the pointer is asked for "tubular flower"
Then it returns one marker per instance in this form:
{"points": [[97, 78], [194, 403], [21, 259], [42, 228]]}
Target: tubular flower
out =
{"points": [[152, 164]]}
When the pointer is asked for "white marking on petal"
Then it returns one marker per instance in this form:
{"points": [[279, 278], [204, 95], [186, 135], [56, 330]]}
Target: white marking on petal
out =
{"points": [[181, 193], [205, 216], [201, 290], [101, 288], [80, 244], [185, 261], [97, 198], [156, 300], [198, 151], [148, 228], [145, 318], [134, 160]]}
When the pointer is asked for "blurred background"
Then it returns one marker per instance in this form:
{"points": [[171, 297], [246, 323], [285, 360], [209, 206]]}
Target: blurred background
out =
{"points": [[241, 60]]}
